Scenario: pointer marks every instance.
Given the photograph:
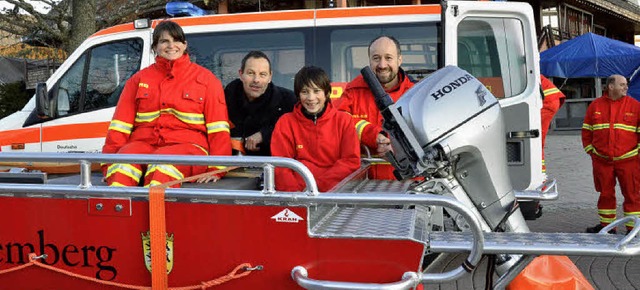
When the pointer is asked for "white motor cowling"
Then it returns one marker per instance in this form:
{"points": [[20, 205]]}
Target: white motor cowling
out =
{"points": [[442, 102], [453, 111], [450, 126]]}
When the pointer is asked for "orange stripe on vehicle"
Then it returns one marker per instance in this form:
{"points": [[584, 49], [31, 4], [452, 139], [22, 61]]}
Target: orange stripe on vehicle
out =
{"points": [[25, 135], [379, 11], [74, 131], [284, 15], [238, 18], [54, 133], [115, 29]]}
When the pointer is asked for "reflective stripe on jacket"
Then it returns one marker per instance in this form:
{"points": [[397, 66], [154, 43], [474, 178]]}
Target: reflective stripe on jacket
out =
{"points": [[553, 98], [610, 128], [171, 102], [358, 101]]}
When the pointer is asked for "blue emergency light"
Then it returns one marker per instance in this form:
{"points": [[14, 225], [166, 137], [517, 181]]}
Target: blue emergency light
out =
{"points": [[178, 9]]}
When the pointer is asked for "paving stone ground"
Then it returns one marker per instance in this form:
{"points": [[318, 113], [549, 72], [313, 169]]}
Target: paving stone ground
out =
{"points": [[574, 211]]}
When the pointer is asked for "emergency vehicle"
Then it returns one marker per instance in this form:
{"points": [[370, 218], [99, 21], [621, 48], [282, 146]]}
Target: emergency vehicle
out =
{"points": [[478, 99], [495, 42]]}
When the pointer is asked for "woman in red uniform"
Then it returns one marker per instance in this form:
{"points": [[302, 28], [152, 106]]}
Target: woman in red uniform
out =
{"points": [[173, 106], [316, 134]]}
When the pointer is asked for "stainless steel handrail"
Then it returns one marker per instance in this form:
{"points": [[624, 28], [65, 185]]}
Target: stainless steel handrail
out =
{"points": [[629, 236], [547, 191], [374, 160], [87, 158], [300, 275]]}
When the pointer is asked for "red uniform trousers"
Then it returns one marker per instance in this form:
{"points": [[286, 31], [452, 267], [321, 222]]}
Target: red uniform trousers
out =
{"points": [[627, 173], [119, 174]]}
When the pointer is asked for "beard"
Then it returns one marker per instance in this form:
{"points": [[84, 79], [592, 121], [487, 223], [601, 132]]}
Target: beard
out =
{"points": [[386, 76]]}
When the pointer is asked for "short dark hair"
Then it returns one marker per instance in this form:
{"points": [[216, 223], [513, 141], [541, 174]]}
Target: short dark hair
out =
{"points": [[610, 80], [172, 28], [395, 41], [254, 54], [309, 75]]}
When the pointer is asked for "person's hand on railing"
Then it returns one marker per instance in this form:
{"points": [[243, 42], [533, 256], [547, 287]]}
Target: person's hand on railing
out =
{"points": [[208, 178]]}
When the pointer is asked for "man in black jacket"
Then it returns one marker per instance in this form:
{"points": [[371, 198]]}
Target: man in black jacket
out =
{"points": [[255, 104]]}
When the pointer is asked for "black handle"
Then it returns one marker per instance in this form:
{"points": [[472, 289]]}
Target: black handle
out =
{"points": [[383, 100]]}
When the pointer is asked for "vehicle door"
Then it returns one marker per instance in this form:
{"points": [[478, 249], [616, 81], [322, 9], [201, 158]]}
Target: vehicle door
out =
{"points": [[496, 43], [87, 88]]}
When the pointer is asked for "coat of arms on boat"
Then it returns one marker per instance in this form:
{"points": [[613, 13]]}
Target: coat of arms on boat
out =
{"points": [[146, 251]]}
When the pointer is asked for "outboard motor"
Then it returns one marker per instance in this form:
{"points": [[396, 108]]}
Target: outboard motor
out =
{"points": [[449, 129]]}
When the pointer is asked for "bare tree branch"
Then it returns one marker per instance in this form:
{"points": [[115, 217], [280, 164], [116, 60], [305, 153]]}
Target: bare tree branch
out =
{"points": [[30, 10], [65, 26], [24, 20], [127, 10]]}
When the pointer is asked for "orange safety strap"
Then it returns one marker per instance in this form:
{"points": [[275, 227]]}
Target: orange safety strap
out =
{"points": [[158, 235], [238, 145], [195, 177], [158, 228]]}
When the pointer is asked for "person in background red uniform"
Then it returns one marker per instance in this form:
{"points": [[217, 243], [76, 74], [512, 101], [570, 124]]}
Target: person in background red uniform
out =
{"points": [[552, 100], [316, 134], [610, 137], [173, 106], [385, 59]]}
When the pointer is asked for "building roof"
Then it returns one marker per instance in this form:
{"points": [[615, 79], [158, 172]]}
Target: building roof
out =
{"points": [[622, 7], [619, 8]]}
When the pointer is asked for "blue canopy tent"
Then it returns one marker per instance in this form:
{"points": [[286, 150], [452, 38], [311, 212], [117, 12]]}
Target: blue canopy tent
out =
{"points": [[634, 88], [593, 56]]}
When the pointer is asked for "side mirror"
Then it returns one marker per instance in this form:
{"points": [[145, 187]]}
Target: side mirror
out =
{"points": [[46, 107]]}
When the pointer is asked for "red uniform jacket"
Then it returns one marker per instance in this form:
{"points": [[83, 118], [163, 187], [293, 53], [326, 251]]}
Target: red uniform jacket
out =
{"points": [[358, 101], [171, 102], [552, 100], [610, 129], [329, 147]]}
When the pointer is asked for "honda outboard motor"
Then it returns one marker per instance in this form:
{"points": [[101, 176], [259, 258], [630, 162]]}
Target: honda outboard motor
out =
{"points": [[449, 128]]}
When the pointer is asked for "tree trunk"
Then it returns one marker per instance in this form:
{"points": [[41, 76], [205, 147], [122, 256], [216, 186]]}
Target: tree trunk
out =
{"points": [[83, 23]]}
